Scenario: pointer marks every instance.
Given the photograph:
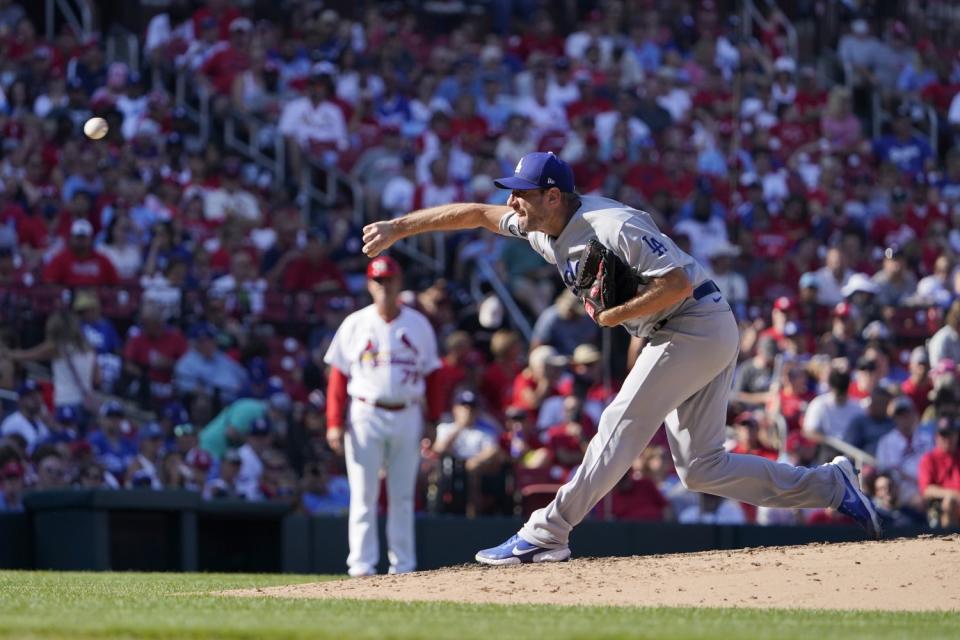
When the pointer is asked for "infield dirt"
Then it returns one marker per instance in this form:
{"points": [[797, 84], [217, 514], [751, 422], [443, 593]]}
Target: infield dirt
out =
{"points": [[921, 574]]}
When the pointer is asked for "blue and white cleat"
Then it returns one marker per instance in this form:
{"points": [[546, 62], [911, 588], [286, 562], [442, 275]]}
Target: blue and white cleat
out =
{"points": [[855, 504], [516, 550]]}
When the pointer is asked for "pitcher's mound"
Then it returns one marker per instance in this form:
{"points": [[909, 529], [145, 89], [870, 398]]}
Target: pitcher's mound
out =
{"points": [[897, 575]]}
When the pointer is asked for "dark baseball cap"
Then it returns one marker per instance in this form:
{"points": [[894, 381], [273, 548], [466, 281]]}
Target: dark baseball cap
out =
{"points": [[467, 398], [260, 427], [946, 426], [539, 170], [112, 408], [27, 387], [66, 414]]}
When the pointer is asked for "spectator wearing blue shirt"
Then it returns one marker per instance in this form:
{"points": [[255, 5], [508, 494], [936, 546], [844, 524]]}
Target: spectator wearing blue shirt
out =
{"points": [[904, 149], [87, 180], [112, 442], [102, 336], [204, 368], [63, 427], [324, 494]]}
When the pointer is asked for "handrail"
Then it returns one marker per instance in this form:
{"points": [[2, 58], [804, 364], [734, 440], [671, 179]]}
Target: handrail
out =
{"points": [[133, 46], [485, 270], [859, 456], [934, 133], [200, 116], [79, 17], [755, 15], [250, 148], [334, 177]]}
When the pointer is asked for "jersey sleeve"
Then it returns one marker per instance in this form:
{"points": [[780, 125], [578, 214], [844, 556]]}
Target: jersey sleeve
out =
{"points": [[336, 355], [649, 252], [510, 227]]}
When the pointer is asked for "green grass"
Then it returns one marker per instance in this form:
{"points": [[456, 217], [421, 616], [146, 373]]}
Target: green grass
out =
{"points": [[126, 605]]}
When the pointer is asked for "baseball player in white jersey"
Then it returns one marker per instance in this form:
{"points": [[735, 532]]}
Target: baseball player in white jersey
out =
{"points": [[381, 357], [682, 377]]}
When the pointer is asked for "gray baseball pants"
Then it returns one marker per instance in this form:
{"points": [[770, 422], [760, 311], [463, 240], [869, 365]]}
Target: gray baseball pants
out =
{"points": [[683, 377]]}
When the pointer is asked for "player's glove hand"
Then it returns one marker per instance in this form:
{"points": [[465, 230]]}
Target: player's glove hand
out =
{"points": [[603, 280]]}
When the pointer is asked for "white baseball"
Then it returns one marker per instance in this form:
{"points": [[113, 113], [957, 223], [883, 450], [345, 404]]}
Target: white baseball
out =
{"points": [[95, 128]]}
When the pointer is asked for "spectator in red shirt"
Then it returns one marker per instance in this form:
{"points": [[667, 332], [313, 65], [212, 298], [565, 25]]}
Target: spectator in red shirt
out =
{"points": [[567, 441], [313, 270], [540, 379], [865, 379], [151, 354], [496, 385], [454, 367], [221, 12], [938, 475], [226, 60], [79, 265], [793, 395], [748, 438], [637, 497], [919, 385]]}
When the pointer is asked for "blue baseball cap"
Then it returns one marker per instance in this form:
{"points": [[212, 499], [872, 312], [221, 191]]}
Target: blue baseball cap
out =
{"points": [[539, 170], [175, 413], [203, 330], [260, 427], [66, 414], [151, 431], [112, 408], [27, 387]]}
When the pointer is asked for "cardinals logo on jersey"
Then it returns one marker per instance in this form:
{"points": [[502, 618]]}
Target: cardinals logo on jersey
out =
{"points": [[369, 353], [408, 343]]}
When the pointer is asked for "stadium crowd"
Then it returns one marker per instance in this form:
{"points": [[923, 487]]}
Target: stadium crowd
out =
{"points": [[166, 305]]}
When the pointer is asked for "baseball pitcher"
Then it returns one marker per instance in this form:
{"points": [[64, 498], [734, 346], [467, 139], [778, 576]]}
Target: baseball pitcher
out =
{"points": [[629, 273]]}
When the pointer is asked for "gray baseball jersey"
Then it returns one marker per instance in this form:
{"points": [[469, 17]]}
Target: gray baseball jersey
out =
{"points": [[682, 378], [631, 234]]}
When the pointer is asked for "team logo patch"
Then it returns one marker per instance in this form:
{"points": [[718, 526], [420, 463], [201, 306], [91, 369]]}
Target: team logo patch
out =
{"points": [[515, 231]]}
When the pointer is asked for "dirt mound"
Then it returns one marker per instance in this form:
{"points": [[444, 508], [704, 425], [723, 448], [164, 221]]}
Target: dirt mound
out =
{"points": [[898, 575]]}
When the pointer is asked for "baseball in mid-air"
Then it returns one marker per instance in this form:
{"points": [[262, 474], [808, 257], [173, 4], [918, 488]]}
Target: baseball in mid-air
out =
{"points": [[95, 128]]}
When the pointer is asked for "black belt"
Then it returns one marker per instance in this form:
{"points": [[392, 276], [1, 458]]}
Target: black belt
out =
{"points": [[387, 406], [703, 290]]}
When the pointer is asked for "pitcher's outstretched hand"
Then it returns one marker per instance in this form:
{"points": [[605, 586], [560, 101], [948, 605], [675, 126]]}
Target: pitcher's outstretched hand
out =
{"points": [[378, 237]]}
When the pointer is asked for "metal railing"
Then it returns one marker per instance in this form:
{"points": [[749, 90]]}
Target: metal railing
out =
{"points": [[752, 15], [77, 15], [130, 47], [859, 456], [199, 115], [333, 180], [249, 145]]}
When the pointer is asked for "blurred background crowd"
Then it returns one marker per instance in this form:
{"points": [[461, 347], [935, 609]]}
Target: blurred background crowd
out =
{"points": [[167, 293]]}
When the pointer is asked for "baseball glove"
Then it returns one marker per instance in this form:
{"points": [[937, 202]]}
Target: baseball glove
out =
{"points": [[603, 280]]}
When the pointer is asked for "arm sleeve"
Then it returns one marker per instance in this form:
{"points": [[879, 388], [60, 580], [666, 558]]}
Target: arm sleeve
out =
{"points": [[812, 418], [648, 251], [510, 227], [336, 398], [336, 355], [925, 473], [435, 399]]}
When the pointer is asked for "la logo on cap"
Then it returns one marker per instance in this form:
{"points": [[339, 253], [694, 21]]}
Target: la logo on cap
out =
{"points": [[379, 267], [519, 166]]}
